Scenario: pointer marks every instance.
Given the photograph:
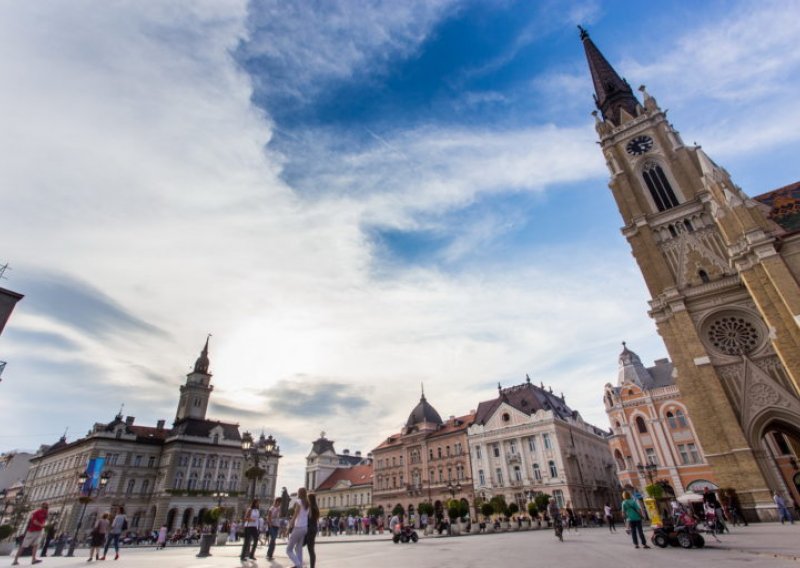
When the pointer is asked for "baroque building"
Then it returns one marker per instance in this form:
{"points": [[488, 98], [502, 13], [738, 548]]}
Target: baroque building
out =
{"points": [[161, 475], [528, 441], [341, 481], [722, 270], [322, 461], [652, 427], [427, 461]]}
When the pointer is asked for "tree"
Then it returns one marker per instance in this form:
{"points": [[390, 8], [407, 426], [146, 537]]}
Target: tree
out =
{"points": [[398, 510], [454, 509], [533, 510], [374, 512], [541, 500], [654, 490], [499, 504], [487, 509], [425, 508], [513, 509]]}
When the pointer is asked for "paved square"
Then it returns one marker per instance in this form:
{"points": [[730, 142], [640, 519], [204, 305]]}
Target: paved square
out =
{"points": [[595, 548]]}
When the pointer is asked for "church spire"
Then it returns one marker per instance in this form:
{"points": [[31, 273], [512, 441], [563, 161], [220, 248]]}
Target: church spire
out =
{"points": [[202, 363], [612, 93]]}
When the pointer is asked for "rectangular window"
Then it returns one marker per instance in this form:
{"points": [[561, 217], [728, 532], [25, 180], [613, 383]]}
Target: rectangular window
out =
{"points": [[430, 453], [447, 452], [532, 443], [131, 485], [151, 461], [559, 497], [553, 469], [439, 451], [694, 453], [537, 472], [684, 453], [499, 474], [478, 454], [512, 446], [137, 461], [517, 473], [145, 486], [481, 477], [496, 450], [650, 454], [548, 445]]}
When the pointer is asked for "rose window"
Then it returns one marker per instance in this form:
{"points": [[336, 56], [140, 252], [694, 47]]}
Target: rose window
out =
{"points": [[733, 335]]}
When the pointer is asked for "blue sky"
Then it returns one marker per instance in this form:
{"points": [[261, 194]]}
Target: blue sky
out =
{"points": [[353, 197]]}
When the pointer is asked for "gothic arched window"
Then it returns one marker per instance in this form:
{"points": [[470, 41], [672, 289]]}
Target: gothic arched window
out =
{"points": [[658, 184]]}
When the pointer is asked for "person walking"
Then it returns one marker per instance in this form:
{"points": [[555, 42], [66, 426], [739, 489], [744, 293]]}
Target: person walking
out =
{"points": [[161, 539], [783, 511], [250, 522], [313, 528], [555, 515], [273, 526], [118, 525], [298, 527], [98, 537], [609, 514], [33, 532], [633, 514]]}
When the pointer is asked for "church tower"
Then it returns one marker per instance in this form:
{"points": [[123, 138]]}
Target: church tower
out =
{"points": [[196, 392], [723, 280]]}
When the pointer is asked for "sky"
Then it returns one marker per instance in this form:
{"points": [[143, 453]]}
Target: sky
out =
{"points": [[353, 197]]}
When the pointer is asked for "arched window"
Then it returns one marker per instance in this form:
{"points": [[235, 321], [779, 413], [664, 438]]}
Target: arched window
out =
{"points": [[619, 460], [660, 189], [640, 425], [681, 418], [671, 419], [703, 276]]}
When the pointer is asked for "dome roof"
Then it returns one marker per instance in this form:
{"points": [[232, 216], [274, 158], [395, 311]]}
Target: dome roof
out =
{"points": [[631, 369], [423, 412]]}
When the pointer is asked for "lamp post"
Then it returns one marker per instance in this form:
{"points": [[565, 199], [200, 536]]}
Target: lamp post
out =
{"points": [[453, 489], [251, 450], [649, 471], [85, 499]]}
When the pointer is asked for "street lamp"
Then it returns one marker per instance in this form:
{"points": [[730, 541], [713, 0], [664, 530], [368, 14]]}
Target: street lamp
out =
{"points": [[219, 496], [85, 499], [453, 489], [252, 450], [649, 471]]}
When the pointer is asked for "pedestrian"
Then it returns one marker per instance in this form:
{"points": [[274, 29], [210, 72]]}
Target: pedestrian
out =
{"points": [[555, 514], [118, 525], [161, 539], [298, 527], [98, 536], [33, 532], [273, 526], [250, 523], [783, 511], [49, 534], [609, 513], [633, 514], [313, 528], [232, 532]]}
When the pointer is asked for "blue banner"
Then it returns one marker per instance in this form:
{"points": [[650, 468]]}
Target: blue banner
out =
{"points": [[93, 470]]}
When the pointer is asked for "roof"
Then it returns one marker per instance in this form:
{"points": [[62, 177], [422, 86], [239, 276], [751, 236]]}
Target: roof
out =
{"points": [[422, 413], [453, 425], [322, 445], [612, 92], [356, 475], [202, 428], [784, 205], [632, 371], [527, 398]]}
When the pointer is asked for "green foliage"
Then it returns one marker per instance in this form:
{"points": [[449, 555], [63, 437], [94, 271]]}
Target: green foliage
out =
{"points": [[454, 509], [425, 509], [533, 510], [212, 516], [541, 500], [487, 509], [655, 491], [353, 512], [513, 509], [374, 512], [255, 472], [6, 531], [334, 513], [499, 505], [398, 510]]}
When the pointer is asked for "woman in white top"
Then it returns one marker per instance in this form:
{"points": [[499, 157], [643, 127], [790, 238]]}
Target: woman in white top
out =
{"points": [[298, 527], [251, 518]]}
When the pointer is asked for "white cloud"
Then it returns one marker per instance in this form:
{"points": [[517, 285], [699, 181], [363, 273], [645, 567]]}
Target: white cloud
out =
{"points": [[133, 161]]}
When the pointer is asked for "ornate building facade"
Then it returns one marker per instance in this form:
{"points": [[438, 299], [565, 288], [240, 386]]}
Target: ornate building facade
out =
{"points": [[722, 270], [161, 475], [652, 427], [428, 461], [322, 461], [528, 441], [341, 481]]}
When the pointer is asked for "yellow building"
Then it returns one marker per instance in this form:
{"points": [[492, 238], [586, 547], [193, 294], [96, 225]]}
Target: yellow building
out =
{"points": [[722, 270]]}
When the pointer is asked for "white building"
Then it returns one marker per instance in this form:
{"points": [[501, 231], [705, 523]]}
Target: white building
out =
{"points": [[527, 440]]}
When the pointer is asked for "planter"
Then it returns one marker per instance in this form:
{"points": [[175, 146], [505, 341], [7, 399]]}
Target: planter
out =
{"points": [[489, 526], [6, 548], [526, 525], [503, 526], [455, 529], [428, 530], [222, 538]]}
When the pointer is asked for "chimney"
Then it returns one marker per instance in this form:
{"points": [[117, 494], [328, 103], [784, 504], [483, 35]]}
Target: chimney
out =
{"points": [[129, 420], [160, 425], [346, 452], [358, 453]]}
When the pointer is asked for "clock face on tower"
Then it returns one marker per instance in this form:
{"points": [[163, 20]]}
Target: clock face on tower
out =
{"points": [[639, 145]]}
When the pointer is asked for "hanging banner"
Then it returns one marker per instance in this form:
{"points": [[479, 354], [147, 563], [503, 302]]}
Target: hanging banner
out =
{"points": [[93, 470]]}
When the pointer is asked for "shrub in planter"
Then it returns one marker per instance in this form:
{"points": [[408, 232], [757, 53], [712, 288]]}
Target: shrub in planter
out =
{"points": [[487, 510], [513, 509], [398, 510], [533, 510], [5, 532], [655, 491]]}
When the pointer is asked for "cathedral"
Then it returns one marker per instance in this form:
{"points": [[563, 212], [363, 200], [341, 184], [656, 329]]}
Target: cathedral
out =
{"points": [[722, 271]]}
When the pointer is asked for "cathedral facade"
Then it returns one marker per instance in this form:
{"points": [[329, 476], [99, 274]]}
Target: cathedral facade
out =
{"points": [[722, 270]]}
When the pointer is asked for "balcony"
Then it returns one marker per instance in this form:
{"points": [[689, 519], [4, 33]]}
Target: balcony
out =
{"points": [[514, 458]]}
